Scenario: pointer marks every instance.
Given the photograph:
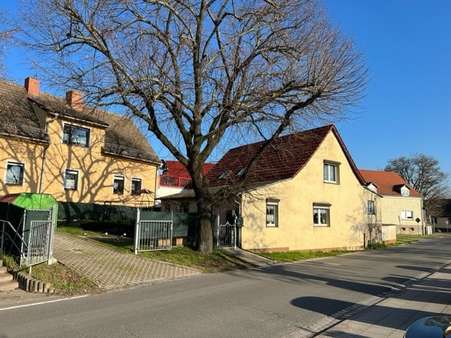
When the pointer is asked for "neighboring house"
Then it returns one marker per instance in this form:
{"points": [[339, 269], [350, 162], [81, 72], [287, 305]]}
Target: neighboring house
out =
{"points": [[173, 180], [73, 152], [440, 215], [400, 204], [303, 193]]}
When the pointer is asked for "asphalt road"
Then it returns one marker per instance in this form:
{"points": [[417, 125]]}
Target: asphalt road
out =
{"points": [[284, 300]]}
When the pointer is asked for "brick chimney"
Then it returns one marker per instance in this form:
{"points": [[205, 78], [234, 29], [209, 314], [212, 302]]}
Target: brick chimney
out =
{"points": [[74, 99], [32, 86]]}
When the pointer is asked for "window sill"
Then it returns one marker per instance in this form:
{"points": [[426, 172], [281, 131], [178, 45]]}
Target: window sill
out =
{"points": [[321, 225], [14, 184], [332, 182], [270, 226]]}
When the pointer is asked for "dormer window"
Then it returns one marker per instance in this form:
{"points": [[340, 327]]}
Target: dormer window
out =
{"points": [[241, 172], [405, 192], [76, 135], [223, 175], [372, 187]]}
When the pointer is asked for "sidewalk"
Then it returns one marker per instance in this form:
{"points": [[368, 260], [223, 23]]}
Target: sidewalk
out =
{"points": [[392, 316]]}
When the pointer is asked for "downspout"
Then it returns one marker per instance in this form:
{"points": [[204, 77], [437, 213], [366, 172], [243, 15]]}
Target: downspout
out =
{"points": [[44, 154]]}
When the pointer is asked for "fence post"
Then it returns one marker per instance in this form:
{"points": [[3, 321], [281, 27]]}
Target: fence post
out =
{"points": [[172, 228], [3, 237], [138, 217], [217, 231]]}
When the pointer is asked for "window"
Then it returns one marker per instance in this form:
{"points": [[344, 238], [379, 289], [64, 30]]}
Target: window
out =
{"points": [[118, 184], [76, 135], [272, 213], [407, 214], [330, 172], [71, 179], [371, 208], [405, 192], [321, 215], [14, 173], [136, 186]]}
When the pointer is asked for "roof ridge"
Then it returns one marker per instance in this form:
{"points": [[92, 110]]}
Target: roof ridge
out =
{"points": [[327, 126]]}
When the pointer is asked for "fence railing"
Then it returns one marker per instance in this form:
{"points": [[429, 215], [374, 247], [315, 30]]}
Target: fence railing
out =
{"points": [[15, 239], [151, 235], [38, 247]]}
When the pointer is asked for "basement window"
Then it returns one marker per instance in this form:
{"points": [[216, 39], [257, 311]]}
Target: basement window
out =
{"points": [[118, 184], [14, 173]]}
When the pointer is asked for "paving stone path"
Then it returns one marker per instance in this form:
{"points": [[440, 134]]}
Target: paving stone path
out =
{"points": [[109, 268]]}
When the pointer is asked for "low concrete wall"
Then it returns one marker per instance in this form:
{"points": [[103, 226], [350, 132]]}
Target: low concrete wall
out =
{"points": [[388, 233]]}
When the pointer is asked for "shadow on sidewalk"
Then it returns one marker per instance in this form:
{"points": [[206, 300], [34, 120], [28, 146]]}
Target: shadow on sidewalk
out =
{"points": [[389, 317]]}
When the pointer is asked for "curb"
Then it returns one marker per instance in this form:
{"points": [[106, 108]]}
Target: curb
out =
{"points": [[29, 284]]}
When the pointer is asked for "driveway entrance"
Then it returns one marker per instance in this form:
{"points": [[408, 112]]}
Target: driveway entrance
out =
{"points": [[109, 268]]}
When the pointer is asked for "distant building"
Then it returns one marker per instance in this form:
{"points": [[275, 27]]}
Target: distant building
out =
{"points": [[175, 178]]}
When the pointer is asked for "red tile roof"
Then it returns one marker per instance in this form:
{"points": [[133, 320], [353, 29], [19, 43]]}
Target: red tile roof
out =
{"points": [[387, 182], [177, 175], [283, 159]]}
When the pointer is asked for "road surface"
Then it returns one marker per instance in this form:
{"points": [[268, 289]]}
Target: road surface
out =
{"points": [[284, 300]]}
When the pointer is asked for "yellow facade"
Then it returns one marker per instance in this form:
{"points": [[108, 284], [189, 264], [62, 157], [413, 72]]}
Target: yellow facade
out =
{"points": [[348, 201], [45, 165], [393, 208]]}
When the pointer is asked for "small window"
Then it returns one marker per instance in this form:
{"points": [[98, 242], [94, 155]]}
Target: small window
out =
{"points": [[76, 135], [330, 172], [14, 173], [272, 213], [371, 208], [136, 186], [405, 192], [118, 184], [407, 214], [71, 179], [321, 215]]}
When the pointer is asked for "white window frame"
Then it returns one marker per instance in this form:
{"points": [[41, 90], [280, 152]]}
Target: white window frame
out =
{"points": [[275, 204], [405, 191], [78, 179], [79, 126], [316, 210], [404, 215], [331, 164], [18, 163], [131, 185], [119, 176]]}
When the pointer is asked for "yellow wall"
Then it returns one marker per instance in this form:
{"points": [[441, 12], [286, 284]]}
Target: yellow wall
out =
{"points": [[95, 184], [392, 206], [348, 211]]}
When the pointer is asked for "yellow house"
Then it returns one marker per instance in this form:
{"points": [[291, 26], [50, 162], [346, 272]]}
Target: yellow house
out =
{"points": [[400, 204], [75, 153], [303, 193]]}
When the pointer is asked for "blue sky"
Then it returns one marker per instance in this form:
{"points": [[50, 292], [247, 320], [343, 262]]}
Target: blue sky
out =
{"points": [[407, 105]]}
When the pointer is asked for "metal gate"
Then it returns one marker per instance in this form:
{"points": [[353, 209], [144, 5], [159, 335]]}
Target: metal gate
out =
{"points": [[227, 235], [38, 247], [153, 234], [30, 241]]}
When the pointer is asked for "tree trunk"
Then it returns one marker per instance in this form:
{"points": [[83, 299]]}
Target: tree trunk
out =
{"points": [[205, 229]]}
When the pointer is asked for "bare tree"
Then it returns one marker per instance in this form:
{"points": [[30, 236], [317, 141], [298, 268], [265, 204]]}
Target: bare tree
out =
{"points": [[197, 72], [422, 173]]}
